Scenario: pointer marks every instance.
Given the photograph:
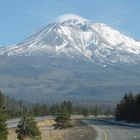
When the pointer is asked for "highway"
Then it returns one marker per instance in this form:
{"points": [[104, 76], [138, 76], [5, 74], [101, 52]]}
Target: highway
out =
{"points": [[105, 130], [14, 122], [111, 131]]}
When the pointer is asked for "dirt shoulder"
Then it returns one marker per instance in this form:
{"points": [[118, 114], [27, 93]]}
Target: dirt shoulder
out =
{"points": [[79, 131]]}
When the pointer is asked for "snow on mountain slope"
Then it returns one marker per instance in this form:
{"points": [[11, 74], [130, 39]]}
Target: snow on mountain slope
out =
{"points": [[115, 38], [71, 17], [72, 36]]}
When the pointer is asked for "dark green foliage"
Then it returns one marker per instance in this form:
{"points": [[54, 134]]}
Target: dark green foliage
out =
{"points": [[3, 119], [92, 110], [63, 117], [27, 128], [39, 110], [2, 99], [129, 108], [3, 125], [66, 107], [14, 108], [96, 111], [54, 109], [18, 108], [85, 113], [62, 121], [137, 109]]}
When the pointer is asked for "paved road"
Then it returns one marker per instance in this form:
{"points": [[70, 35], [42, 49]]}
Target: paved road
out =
{"points": [[109, 131], [14, 122]]}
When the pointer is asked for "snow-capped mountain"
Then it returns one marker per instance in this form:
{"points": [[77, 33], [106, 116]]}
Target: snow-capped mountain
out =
{"points": [[60, 63], [72, 35]]}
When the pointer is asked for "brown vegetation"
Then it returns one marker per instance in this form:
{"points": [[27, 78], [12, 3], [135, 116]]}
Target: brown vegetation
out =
{"points": [[80, 131]]}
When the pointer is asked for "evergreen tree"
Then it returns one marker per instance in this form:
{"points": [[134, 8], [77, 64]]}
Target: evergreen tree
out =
{"points": [[97, 111], [62, 121], [66, 107], [63, 117], [54, 109], [3, 119], [137, 108], [128, 109], [27, 128], [85, 113]]}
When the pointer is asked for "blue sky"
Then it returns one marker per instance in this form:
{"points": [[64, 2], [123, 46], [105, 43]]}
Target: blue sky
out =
{"points": [[21, 18]]}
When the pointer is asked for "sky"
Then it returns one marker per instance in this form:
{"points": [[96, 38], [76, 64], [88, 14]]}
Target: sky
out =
{"points": [[21, 18]]}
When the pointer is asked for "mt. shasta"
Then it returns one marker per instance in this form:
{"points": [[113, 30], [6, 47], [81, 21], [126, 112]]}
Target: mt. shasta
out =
{"points": [[71, 58], [71, 35]]}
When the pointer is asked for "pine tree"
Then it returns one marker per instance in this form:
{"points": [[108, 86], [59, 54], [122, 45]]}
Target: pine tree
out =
{"points": [[63, 116], [66, 107], [27, 128], [85, 113], [128, 108], [96, 111], [3, 119], [3, 125], [137, 108], [62, 121]]}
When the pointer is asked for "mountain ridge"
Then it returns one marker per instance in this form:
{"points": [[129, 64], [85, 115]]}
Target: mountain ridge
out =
{"points": [[72, 35], [71, 59]]}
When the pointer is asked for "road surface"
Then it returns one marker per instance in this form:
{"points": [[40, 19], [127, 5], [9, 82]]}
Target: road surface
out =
{"points": [[14, 122], [109, 131]]}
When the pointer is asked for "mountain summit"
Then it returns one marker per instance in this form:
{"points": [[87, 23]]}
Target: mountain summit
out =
{"points": [[72, 36], [66, 61]]}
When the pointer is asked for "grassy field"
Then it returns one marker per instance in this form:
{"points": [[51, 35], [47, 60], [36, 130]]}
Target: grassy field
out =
{"points": [[79, 131]]}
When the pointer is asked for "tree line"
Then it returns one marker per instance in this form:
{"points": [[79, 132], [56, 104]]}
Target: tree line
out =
{"points": [[129, 108], [16, 108], [27, 127], [3, 119]]}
